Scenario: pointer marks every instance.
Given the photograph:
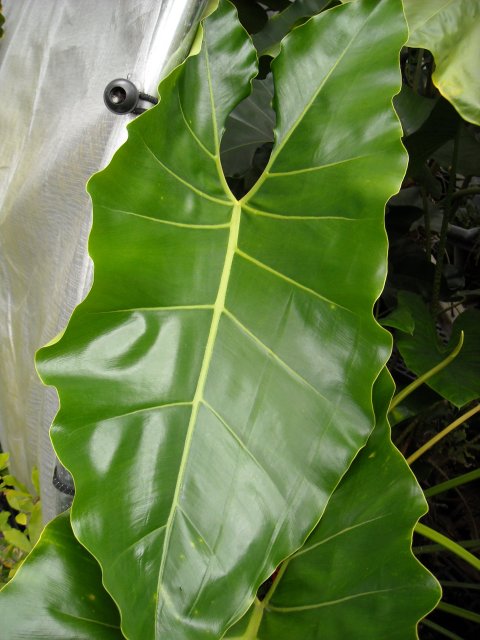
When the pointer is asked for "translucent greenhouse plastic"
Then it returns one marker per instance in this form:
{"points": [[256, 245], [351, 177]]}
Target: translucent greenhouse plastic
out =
{"points": [[56, 58]]}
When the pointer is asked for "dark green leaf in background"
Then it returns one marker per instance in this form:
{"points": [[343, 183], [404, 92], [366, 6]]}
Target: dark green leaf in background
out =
{"points": [[412, 109], [248, 127], [468, 163], [280, 24], [459, 383], [251, 14], [438, 128]]}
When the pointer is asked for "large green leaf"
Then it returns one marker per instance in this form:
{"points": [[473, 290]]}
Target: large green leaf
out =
{"points": [[58, 593], [356, 576], [421, 348], [216, 383], [450, 29]]}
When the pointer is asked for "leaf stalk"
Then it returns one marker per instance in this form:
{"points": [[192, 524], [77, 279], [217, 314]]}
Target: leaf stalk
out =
{"points": [[447, 213], [453, 483], [401, 395], [449, 544], [459, 611], [453, 425]]}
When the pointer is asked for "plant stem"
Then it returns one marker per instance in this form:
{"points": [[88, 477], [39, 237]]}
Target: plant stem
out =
{"points": [[259, 607], [437, 278], [417, 78], [453, 425], [437, 548], [428, 233], [450, 309], [471, 191], [254, 624], [445, 542], [459, 611], [460, 585], [454, 482], [275, 584], [401, 395], [441, 630]]}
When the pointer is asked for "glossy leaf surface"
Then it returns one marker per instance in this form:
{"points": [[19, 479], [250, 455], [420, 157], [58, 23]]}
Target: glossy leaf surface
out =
{"points": [[450, 29], [216, 383], [422, 350], [356, 576], [58, 593]]}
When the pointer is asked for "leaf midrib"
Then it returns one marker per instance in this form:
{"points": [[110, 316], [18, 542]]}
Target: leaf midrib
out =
{"points": [[280, 146], [218, 309], [219, 306]]}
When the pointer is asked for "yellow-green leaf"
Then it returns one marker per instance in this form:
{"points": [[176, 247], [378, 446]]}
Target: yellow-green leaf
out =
{"points": [[450, 29], [18, 539], [4, 457], [21, 518], [35, 524], [35, 480]]}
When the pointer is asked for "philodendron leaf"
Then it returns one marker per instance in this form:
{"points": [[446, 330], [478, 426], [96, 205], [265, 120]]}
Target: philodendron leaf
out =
{"points": [[356, 576], [420, 347], [216, 383], [450, 29], [248, 127], [58, 593]]}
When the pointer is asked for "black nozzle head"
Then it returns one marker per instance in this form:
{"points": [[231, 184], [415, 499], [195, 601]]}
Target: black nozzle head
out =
{"points": [[121, 96]]}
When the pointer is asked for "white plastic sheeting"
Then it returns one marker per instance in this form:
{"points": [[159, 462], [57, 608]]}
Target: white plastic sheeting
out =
{"points": [[55, 59]]}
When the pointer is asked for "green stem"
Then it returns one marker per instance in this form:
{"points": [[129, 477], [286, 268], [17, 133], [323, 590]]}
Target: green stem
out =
{"points": [[275, 584], [460, 585], [437, 278], [401, 395], [441, 630], [437, 548], [254, 623], [445, 542], [417, 78], [471, 191], [453, 425], [459, 611], [454, 482], [428, 232], [259, 607]]}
